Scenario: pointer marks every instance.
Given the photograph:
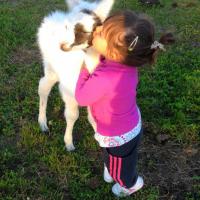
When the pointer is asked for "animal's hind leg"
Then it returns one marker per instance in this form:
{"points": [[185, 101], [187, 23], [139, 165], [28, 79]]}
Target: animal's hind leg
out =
{"points": [[71, 115], [45, 85], [91, 120]]}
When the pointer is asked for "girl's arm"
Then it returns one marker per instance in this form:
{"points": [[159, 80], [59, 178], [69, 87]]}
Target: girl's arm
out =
{"points": [[90, 87]]}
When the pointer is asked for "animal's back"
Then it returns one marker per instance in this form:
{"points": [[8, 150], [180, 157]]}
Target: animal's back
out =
{"points": [[54, 30], [58, 28]]}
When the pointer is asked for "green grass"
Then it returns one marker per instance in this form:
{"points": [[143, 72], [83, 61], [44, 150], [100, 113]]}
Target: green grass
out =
{"points": [[34, 166]]}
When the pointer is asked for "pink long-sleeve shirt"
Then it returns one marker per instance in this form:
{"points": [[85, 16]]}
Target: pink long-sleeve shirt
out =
{"points": [[110, 92]]}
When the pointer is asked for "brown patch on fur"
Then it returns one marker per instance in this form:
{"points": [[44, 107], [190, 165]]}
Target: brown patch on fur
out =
{"points": [[81, 35], [97, 20], [65, 47]]}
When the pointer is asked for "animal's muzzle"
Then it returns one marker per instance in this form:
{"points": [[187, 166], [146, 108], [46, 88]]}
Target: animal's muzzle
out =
{"points": [[81, 35]]}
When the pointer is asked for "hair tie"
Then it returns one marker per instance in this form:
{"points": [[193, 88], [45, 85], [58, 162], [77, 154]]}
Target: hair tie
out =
{"points": [[156, 45], [133, 44]]}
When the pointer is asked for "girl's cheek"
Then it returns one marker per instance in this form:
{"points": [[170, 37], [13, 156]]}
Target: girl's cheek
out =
{"points": [[95, 32], [94, 42]]}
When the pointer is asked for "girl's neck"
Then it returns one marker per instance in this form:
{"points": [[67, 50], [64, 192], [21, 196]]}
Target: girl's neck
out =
{"points": [[112, 58], [108, 60]]}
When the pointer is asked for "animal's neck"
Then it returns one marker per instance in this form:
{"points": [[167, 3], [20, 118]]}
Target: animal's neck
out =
{"points": [[91, 59]]}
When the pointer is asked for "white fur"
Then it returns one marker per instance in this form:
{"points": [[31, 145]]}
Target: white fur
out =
{"points": [[64, 67]]}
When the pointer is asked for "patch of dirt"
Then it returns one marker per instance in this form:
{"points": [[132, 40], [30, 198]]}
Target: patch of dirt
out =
{"points": [[196, 44], [169, 166], [6, 141], [164, 164], [184, 4], [24, 56], [150, 2], [12, 2], [93, 183]]}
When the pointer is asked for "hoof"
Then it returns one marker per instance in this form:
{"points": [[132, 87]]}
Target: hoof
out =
{"points": [[70, 147], [44, 128], [46, 132]]}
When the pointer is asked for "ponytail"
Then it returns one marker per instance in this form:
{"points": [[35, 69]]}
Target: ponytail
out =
{"points": [[167, 38]]}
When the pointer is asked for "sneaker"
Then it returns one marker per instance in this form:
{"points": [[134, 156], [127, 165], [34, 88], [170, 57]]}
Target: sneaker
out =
{"points": [[120, 191], [107, 177]]}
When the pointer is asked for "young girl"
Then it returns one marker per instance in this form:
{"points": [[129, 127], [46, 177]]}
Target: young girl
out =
{"points": [[125, 42]]}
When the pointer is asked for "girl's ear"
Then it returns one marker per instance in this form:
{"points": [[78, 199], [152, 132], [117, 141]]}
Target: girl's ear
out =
{"points": [[72, 3], [113, 55]]}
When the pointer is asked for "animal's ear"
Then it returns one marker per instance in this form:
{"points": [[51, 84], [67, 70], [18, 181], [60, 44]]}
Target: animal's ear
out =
{"points": [[103, 8], [72, 3]]}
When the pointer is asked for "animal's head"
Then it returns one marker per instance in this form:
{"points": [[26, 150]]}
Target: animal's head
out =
{"points": [[85, 16]]}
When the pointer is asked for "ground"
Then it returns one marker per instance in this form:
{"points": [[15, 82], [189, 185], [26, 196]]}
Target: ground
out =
{"points": [[37, 166]]}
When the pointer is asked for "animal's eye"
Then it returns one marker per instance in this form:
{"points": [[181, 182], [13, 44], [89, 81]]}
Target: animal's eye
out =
{"points": [[86, 32]]}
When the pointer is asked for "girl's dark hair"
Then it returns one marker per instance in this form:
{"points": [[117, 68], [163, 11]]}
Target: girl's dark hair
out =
{"points": [[122, 28]]}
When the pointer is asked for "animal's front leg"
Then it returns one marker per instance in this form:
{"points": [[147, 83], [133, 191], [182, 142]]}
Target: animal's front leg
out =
{"points": [[71, 115]]}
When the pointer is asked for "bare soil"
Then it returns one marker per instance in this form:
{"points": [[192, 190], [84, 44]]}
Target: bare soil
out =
{"points": [[171, 167]]}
